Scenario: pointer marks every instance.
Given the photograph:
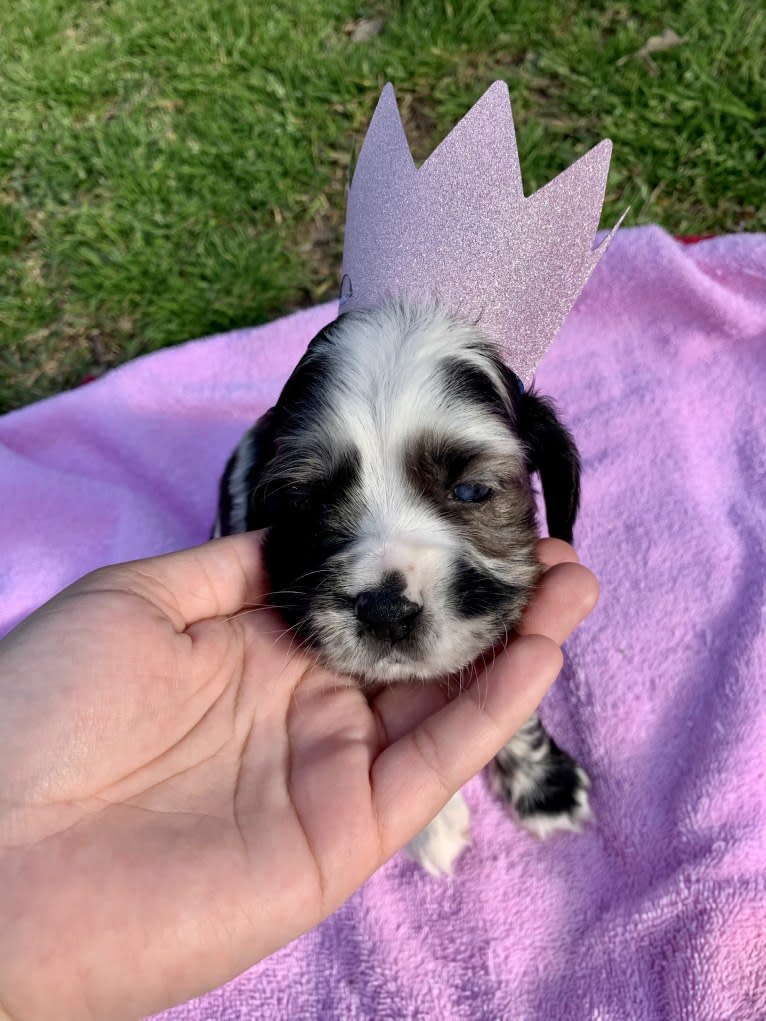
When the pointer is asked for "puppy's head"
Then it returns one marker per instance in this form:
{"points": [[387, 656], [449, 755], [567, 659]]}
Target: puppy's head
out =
{"points": [[393, 475]]}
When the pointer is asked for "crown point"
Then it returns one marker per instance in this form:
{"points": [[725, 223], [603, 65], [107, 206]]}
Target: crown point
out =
{"points": [[385, 135], [575, 197], [602, 151], [605, 242], [481, 147], [498, 92], [388, 95]]}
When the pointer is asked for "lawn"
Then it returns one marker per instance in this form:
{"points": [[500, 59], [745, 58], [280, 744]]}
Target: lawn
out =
{"points": [[169, 170]]}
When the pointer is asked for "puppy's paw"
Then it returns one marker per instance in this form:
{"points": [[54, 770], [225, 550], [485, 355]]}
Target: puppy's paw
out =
{"points": [[440, 844], [563, 806], [547, 795]]}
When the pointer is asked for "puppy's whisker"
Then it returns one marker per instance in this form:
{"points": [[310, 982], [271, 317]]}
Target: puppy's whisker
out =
{"points": [[293, 650], [478, 677], [257, 609]]}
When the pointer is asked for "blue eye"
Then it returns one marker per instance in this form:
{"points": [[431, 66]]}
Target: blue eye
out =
{"points": [[471, 492]]}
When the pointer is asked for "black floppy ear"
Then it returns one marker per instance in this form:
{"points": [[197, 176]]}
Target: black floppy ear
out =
{"points": [[239, 510], [552, 453]]}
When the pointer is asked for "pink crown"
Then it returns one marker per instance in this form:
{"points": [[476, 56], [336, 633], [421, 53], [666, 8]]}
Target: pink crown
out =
{"points": [[459, 231]]}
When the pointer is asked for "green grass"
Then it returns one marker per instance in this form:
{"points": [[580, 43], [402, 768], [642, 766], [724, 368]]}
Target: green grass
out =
{"points": [[167, 170]]}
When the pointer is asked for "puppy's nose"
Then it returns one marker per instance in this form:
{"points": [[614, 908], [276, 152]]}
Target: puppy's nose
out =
{"points": [[386, 613]]}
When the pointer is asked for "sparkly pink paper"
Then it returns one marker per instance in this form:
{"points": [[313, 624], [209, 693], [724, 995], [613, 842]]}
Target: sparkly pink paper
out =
{"points": [[459, 230]]}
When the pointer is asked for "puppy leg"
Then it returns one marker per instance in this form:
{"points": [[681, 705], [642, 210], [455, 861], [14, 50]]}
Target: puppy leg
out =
{"points": [[439, 845], [542, 784]]}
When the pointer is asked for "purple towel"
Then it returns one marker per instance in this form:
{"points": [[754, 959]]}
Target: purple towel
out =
{"points": [[659, 910]]}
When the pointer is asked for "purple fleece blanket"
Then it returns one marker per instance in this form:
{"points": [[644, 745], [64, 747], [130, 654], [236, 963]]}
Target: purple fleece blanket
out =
{"points": [[659, 910]]}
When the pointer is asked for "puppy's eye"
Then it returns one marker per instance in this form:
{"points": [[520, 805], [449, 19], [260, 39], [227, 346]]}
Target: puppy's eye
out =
{"points": [[297, 497], [471, 492]]}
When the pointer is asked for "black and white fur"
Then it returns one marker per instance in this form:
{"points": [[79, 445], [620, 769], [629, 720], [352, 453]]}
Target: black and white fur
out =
{"points": [[394, 476]]}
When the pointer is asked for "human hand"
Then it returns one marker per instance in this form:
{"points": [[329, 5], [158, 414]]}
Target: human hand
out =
{"points": [[182, 792]]}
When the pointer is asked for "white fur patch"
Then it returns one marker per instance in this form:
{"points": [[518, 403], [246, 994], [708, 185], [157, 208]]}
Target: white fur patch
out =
{"points": [[238, 490], [440, 844]]}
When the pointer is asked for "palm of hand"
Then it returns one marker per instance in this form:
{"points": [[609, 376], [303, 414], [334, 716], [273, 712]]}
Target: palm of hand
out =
{"points": [[197, 795]]}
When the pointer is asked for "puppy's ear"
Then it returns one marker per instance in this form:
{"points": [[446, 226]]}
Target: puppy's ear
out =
{"points": [[239, 508], [551, 452]]}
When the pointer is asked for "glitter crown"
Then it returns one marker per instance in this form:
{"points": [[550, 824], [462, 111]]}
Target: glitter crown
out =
{"points": [[459, 231]]}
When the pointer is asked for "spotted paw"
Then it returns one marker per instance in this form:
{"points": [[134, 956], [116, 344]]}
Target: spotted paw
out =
{"points": [[547, 791]]}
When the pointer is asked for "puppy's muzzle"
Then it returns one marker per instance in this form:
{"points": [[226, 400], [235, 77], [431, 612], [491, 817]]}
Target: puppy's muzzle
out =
{"points": [[386, 613]]}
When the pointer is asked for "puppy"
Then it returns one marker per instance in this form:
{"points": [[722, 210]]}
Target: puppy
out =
{"points": [[394, 476]]}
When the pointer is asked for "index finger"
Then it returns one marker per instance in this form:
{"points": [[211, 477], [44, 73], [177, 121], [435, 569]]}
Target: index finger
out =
{"points": [[414, 776], [555, 551], [215, 579], [564, 596]]}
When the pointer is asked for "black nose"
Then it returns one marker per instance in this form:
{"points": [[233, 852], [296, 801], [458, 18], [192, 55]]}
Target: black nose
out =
{"points": [[386, 613]]}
